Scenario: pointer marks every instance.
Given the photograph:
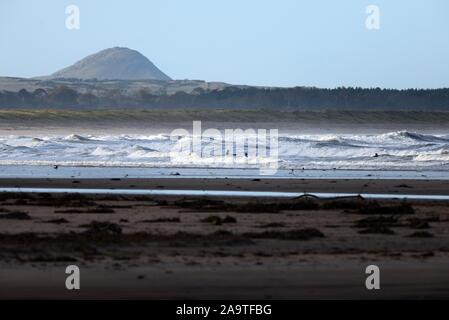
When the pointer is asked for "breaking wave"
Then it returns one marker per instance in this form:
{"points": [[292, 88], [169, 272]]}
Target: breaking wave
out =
{"points": [[402, 150]]}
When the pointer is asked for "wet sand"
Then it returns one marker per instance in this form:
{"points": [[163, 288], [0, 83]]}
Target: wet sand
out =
{"points": [[393, 186], [197, 248]]}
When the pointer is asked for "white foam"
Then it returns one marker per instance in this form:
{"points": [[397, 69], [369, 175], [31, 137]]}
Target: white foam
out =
{"points": [[400, 150]]}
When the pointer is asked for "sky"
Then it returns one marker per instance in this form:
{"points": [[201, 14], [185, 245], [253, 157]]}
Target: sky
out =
{"points": [[322, 43]]}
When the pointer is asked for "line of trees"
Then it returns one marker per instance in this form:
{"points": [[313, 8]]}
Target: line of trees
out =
{"points": [[298, 98]]}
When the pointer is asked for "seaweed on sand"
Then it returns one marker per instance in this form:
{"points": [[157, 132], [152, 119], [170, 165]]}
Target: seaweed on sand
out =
{"points": [[299, 234], [208, 205], [216, 220], [15, 215]]}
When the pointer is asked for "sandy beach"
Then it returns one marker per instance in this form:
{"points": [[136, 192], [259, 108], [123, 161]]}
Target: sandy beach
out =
{"points": [[165, 247], [390, 186], [177, 152]]}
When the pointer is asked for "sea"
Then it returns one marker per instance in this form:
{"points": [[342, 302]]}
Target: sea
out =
{"points": [[399, 154]]}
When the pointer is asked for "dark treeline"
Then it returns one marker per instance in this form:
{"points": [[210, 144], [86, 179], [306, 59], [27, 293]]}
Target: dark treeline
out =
{"points": [[298, 98]]}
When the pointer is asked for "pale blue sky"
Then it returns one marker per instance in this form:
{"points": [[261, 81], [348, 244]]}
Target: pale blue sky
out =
{"points": [[320, 43]]}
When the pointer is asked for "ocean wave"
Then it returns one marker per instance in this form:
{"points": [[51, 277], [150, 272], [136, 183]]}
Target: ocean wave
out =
{"points": [[413, 136], [392, 150], [103, 151], [76, 137], [335, 143]]}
